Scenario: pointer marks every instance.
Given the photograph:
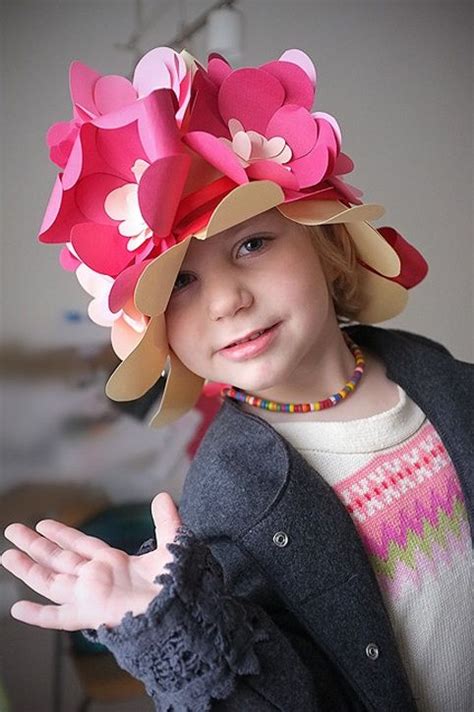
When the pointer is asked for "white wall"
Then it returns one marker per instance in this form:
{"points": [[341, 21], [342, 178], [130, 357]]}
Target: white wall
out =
{"points": [[397, 75]]}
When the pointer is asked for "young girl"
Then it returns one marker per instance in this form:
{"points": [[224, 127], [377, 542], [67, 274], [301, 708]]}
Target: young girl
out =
{"points": [[321, 556]]}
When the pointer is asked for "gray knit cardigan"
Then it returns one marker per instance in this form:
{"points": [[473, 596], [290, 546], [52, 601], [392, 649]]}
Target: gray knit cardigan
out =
{"points": [[270, 602]]}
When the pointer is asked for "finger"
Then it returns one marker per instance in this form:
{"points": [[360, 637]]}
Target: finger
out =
{"points": [[70, 538], [56, 617], [42, 550], [166, 518], [57, 587]]}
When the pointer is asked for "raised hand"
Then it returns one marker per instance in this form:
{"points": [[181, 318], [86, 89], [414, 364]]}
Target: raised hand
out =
{"points": [[89, 581]]}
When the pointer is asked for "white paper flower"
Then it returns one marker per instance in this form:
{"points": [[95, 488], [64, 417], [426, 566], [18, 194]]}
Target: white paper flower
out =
{"points": [[122, 204], [251, 146], [99, 286]]}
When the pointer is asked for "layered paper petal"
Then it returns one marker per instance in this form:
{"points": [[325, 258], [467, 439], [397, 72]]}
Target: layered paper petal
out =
{"points": [[101, 247], [61, 215], [218, 68], [128, 330], [268, 170], [60, 138], [125, 337], [155, 182], [299, 88], [124, 286], [252, 96], [113, 92], [68, 261], [414, 267], [161, 68], [301, 59], [218, 154], [82, 80], [296, 126]]}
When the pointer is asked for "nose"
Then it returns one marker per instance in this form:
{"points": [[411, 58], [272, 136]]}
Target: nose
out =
{"points": [[226, 296]]}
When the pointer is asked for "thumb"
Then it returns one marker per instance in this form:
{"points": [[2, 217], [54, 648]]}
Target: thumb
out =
{"points": [[165, 517]]}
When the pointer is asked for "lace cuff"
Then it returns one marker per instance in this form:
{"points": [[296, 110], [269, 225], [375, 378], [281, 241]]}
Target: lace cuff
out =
{"points": [[194, 639]]}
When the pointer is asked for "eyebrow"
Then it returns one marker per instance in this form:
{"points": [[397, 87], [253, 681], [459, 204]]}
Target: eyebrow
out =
{"points": [[255, 233]]}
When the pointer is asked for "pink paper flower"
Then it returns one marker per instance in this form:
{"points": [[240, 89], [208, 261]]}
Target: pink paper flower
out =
{"points": [[114, 206], [107, 202], [256, 123], [128, 324], [94, 95]]}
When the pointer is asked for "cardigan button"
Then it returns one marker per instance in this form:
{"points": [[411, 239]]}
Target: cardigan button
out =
{"points": [[280, 538], [372, 651]]}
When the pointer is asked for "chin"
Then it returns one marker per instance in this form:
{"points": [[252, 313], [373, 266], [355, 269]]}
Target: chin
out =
{"points": [[256, 385]]}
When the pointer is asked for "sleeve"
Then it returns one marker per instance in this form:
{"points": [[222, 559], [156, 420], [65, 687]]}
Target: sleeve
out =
{"points": [[198, 648]]}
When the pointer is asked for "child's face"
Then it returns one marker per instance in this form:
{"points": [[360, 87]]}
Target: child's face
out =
{"points": [[262, 273]]}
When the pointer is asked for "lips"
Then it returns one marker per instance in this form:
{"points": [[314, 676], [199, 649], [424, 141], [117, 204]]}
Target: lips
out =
{"points": [[251, 347], [249, 337]]}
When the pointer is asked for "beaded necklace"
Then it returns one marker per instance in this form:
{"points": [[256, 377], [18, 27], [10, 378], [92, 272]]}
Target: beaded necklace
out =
{"points": [[348, 388]]}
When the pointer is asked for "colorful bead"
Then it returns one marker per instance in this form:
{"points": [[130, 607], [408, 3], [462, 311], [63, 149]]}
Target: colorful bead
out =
{"points": [[348, 388]]}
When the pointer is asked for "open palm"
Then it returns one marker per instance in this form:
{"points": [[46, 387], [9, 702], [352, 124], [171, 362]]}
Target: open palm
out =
{"points": [[89, 581]]}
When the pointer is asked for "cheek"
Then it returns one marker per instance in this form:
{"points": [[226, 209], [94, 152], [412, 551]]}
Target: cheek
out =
{"points": [[179, 332], [302, 286], [185, 338]]}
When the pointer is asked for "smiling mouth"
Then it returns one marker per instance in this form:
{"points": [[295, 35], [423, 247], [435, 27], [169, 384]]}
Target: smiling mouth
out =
{"points": [[251, 337]]}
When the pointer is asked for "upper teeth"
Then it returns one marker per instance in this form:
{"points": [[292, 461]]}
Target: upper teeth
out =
{"points": [[250, 338]]}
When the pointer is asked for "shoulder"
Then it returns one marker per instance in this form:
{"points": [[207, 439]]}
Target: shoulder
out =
{"points": [[417, 362], [411, 337], [386, 341]]}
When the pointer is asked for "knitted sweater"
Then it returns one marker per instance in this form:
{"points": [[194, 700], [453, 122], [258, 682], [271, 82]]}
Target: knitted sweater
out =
{"points": [[398, 483]]}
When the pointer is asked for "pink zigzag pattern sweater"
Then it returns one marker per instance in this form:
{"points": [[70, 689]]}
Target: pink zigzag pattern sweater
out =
{"points": [[399, 485]]}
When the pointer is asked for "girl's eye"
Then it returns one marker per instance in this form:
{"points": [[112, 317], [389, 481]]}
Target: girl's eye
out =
{"points": [[251, 245], [182, 281], [254, 244]]}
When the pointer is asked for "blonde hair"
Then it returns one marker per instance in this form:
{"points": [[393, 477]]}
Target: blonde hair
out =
{"points": [[338, 256]]}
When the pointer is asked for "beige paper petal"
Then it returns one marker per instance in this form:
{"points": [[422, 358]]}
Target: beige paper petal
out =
{"points": [[371, 246], [157, 280], [143, 367], [244, 202], [182, 390], [374, 250], [385, 299], [124, 337], [326, 212]]}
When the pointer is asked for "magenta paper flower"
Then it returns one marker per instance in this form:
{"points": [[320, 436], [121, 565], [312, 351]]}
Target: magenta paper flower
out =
{"points": [[94, 95], [256, 123], [107, 202], [112, 305], [114, 205]]}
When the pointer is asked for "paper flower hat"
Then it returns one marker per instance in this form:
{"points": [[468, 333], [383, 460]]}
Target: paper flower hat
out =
{"points": [[183, 152]]}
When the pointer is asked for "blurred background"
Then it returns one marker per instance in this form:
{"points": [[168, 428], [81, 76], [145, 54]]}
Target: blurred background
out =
{"points": [[398, 77]]}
